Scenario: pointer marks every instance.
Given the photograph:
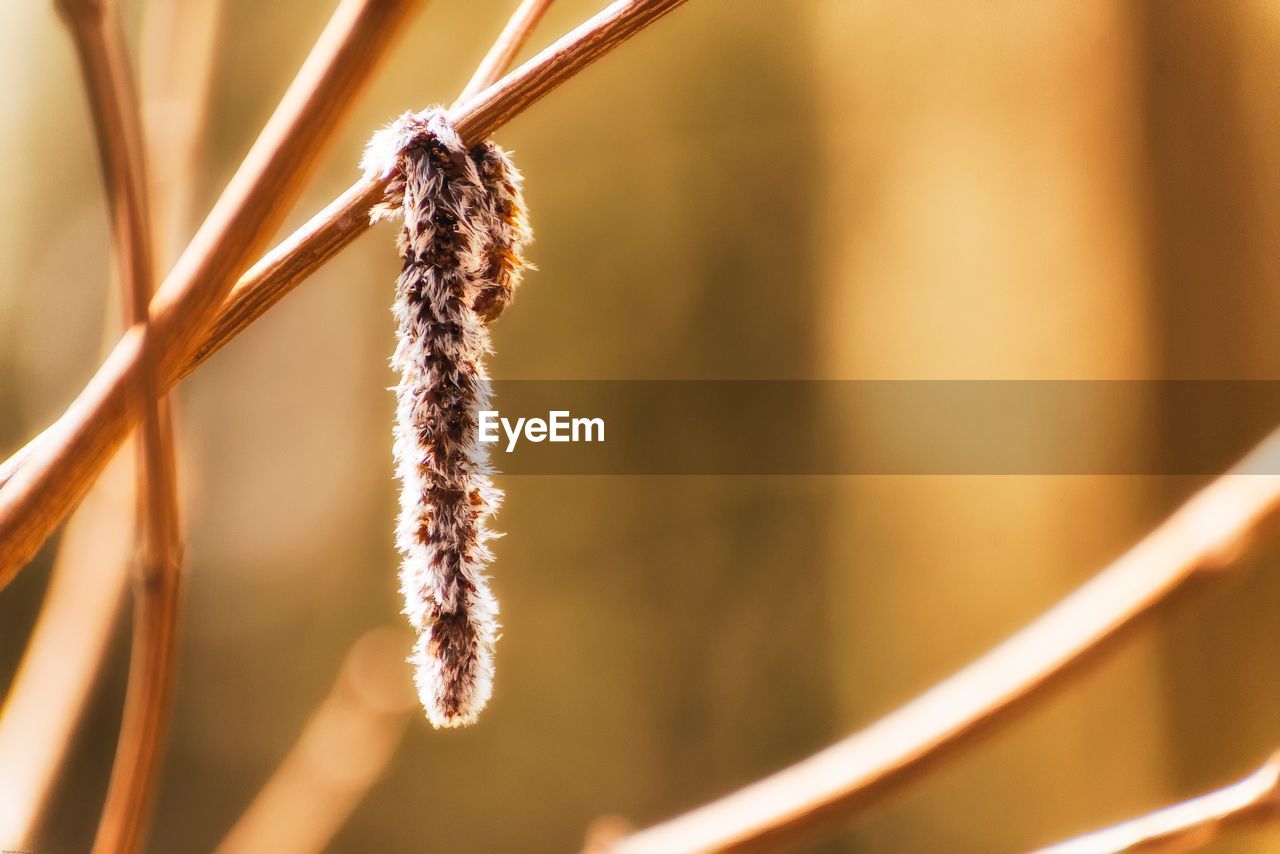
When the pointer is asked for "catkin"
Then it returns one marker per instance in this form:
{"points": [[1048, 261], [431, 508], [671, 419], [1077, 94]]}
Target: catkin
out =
{"points": [[463, 229]]}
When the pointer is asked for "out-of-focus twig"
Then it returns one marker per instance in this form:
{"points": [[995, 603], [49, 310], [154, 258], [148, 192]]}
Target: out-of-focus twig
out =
{"points": [[40, 482], [179, 40], [100, 416], [1201, 536], [1191, 824], [47, 696], [104, 64], [513, 37], [61, 466], [282, 817], [342, 751], [346, 218]]}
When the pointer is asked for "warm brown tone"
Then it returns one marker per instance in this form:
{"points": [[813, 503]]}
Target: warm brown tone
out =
{"points": [[1064, 190]]}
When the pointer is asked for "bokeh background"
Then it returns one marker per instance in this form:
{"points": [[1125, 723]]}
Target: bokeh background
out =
{"points": [[776, 189]]}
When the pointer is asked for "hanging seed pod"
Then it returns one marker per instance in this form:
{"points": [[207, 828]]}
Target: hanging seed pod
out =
{"points": [[463, 228]]}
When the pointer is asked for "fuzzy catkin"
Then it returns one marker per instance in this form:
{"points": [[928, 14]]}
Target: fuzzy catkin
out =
{"points": [[463, 229], [508, 227]]}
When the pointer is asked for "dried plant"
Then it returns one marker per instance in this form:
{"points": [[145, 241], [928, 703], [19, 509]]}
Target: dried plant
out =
{"points": [[43, 481], [95, 26], [464, 224], [47, 696], [1191, 824], [461, 249], [344, 747], [1202, 536]]}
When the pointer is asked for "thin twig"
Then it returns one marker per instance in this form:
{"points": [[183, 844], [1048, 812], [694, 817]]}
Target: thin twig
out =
{"points": [[1201, 536], [47, 697], [1190, 824], [341, 752], [43, 480], [95, 28], [179, 48], [283, 815], [514, 35], [346, 218], [57, 473]]}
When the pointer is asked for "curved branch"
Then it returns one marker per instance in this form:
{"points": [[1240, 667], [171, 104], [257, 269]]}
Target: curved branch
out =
{"points": [[43, 481], [59, 468], [46, 699], [344, 748], [1190, 824], [1202, 535], [117, 122]]}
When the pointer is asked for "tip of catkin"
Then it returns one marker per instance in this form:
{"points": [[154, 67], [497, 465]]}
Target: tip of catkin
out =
{"points": [[461, 239], [450, 701]]}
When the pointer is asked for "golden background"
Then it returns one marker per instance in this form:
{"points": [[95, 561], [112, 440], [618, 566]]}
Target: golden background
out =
{"points": [[750, 189]]}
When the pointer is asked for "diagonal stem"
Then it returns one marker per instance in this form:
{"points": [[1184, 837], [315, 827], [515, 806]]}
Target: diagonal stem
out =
{"points": [[514, 35], [285, 809], [1201, 536], [57, 472], [45, 479], [344, 748], [47, 696], [1190, 824]]}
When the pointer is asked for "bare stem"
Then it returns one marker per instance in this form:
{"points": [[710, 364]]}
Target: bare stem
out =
{"points": [[341, 752], [1190, 824], [1202, 535], [95, 27], [47, 697], [59, 470], [285, 811], [514, 35], [43, 480]]}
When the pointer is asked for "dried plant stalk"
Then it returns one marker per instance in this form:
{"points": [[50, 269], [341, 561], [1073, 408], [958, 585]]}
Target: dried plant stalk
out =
{"points": [[1189, 825], [100, 418], [95, 27], [514, 35], [343, 750], [1199, 538], [283, 813], [47, 697], [60, 467], [179, 41]]}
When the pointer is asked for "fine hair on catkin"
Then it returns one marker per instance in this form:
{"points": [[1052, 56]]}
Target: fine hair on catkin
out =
{"points": [[463, 228]]}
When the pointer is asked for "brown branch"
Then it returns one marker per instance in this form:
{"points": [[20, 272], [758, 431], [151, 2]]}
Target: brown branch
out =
{"points": [[179, 48], [513, 37], [1200, 536], [284, 814], [304, 787], [1190, 824], [95, 28], [47, 696], [343, 751], [44, 479], [57, 471], [148, 703]]}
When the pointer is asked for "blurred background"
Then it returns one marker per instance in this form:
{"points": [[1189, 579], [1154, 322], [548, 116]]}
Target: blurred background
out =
{"points": [[751, 189]]}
